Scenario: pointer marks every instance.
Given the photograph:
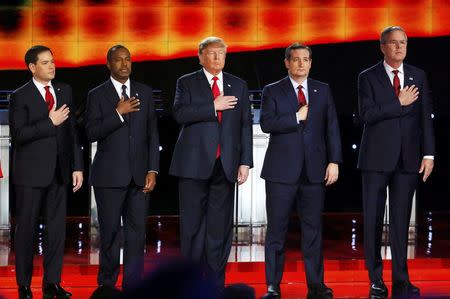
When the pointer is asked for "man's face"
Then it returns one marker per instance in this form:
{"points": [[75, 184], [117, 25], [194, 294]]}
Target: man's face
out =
{"points": [[394, 49], [299, 64], [44, 68], [212, 58], [120, 65]]}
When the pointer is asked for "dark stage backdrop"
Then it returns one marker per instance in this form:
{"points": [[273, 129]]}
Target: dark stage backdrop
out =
{"points": [[338, 64]]}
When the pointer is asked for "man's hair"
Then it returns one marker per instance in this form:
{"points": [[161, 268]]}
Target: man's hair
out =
{"points": [[113, 49], [296, 46], [386, 31], [32, 54], [208, 41]]}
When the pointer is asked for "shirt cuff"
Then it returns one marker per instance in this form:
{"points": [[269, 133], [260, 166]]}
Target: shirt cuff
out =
{"points": [[428, 157], [245, 166], [120, 116], [152, 171]]}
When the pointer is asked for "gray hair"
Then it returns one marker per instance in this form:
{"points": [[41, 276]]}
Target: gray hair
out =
{"points": [[388, 30], [208, 41]]}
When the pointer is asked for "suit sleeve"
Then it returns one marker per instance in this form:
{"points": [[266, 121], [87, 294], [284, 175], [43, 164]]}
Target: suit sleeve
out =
{"points": [[23, 132], [77, 163], [99, 124], [246, 130], [152, 135], [334, 146], [273, 122], [370, 111], [185, 111], [428, 143]]}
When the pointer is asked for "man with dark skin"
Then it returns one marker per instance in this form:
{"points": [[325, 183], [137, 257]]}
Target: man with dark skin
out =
{"points": [[121, 118]]}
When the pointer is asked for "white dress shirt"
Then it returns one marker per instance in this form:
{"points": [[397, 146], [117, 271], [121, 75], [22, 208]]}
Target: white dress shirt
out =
{"points": [[41, 88], [118, 88], [295, 85]]}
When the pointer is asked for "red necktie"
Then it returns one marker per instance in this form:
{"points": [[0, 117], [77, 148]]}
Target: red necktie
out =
{"points": [[49, 98], [301, 96], [396, 83], [216, 93]]}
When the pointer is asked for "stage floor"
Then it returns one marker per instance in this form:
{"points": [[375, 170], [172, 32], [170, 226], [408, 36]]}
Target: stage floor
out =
{"points": [[428, 251]]}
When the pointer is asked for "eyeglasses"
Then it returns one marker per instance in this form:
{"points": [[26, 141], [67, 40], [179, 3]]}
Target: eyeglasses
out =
{"points": [[397, 43]]}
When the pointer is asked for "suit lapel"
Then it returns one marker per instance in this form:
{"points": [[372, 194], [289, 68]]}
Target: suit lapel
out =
{"points": [[60, 100], [133, 93], [408, 76], [111, 93], [291, 96], [205, 87], [39, 101], [227, 91], [312, 95], [384, 78]]}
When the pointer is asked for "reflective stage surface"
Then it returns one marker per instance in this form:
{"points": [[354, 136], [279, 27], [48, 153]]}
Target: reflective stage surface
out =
{"points": [[428, 251]]}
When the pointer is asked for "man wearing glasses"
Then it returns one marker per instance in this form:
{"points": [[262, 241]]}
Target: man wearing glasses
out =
{"points": [[397, 144]]}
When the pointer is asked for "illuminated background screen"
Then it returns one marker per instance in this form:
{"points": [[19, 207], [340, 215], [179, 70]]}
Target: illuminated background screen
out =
{"points": [[163, 37]]}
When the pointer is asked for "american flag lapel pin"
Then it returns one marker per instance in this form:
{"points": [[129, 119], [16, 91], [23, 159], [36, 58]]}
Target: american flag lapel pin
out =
{"points": [[315, 90], [411, 78], [229, 85]]}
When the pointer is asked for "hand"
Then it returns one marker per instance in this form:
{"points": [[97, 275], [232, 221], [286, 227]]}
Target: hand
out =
{"points": [[150, 182], [58, 116], [242, 174], [125, 107], [426, 167], [331, 174], [77, 180], [408, 95], [222, 102], [302, 113]]}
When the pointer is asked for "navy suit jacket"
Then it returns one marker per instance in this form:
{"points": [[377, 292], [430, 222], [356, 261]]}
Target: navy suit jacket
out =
{"points": [[37, 144], [392, 132], [314, 142], [195, 151], [125, 150]]}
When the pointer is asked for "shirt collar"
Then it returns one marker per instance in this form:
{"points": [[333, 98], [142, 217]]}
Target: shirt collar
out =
{"points": [[41, 86], [389, 68], [295, 84], [118, 85], [210, 76]]}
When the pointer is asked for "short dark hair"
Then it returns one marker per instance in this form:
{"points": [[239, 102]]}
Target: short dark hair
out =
{"points": [[113, 49], [32, 54], [296, 46], [386, 31]]}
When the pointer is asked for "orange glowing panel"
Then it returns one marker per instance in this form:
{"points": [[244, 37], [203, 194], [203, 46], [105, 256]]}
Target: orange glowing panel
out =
{"points": [[441, 21], [234, 3], [46, 3], [65, 53], [236, 24], [54, 23], [367, 4], [102, 3], [323, 3], [415, 21], [13, 54], [100, 23], [410, 3], [18, 27], [441, 3], [147, 51], [323, 25], [193, 3], [183, 49], [279, 3], [365, 23], [145, 24], [143, 3], [187, 23], [278, 24], [94, 52]]}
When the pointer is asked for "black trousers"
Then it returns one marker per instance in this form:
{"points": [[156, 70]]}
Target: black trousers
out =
{"points": [[206, 220], [401, 191], [29, 201], [280, 199], [131, 204]]}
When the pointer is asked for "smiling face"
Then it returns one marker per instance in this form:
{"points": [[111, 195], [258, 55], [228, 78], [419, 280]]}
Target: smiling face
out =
{"points": [[212, 58], [299, 64], [394, 48], [120, 65], [44, 68]]}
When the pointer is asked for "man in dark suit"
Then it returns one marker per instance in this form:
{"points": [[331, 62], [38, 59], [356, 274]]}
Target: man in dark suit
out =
{"points": [[302, 158], [121, 118], [46, 155], [397, 143], [213, 151]]}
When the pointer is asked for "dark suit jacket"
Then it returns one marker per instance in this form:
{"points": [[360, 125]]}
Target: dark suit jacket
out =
{"points": [[314, 142], [195, 151], [391, 131], [125, 150], [37, 143]]}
